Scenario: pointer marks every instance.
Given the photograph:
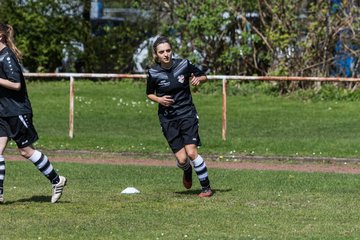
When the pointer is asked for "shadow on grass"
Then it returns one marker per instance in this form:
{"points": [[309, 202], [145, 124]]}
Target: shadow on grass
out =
{"points": [[39, 199], [195, 192]]}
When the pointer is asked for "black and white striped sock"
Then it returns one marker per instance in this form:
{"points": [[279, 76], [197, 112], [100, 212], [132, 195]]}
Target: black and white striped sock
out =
{"points": [[2, 174], [42, 163], [201, 171]]}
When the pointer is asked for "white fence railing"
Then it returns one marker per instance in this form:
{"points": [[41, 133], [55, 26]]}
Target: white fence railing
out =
{"points": [[224, 79]]}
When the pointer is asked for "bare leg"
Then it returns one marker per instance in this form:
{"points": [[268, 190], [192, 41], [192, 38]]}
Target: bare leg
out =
{"points": [[183, 162]]}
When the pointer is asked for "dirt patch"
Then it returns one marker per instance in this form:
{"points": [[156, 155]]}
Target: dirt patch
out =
{"points": [[330, 165]]}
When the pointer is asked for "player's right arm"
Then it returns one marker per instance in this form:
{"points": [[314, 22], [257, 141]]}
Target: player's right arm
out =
{"points": [[165, 100], [10, 85]]}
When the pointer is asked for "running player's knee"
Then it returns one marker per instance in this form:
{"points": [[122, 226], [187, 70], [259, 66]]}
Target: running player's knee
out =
{"points": [[181, 161], [181, 156], [192, 154], [26, 152]]}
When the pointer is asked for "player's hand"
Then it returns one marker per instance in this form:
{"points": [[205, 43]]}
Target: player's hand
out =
{"points": [[166, 100], [194, 80]]}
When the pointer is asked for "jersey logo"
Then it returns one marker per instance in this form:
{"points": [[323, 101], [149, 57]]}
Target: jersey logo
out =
{"points": [[164, 83], [181, 78]]}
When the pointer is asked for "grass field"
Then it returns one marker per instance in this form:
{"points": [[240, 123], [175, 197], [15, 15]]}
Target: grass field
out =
{"points": [[246, 205], [115, 116]]}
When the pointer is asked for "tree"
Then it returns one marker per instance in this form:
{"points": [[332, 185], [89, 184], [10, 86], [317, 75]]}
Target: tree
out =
{"points": [[264, 37], [240, 37], [211, 33], [304, 35], [43, 30]]}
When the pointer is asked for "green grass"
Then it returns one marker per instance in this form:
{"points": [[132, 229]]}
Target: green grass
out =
{"points": [[115, 116], [246, 205]]}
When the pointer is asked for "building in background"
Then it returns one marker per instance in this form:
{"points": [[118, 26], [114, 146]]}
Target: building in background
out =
{"points": [[346, 61]]}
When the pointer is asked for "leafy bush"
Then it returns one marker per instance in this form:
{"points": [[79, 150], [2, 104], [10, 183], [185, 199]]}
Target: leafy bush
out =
{"points": [[325, 91]]}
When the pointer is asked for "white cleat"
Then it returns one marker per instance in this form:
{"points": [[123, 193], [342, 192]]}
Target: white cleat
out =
{"points": [[1, 199], [57, 189]]}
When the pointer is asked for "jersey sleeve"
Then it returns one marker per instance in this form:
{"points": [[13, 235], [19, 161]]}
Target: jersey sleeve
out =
{"points": [[195, 70], [12, 69], [150, 84]]}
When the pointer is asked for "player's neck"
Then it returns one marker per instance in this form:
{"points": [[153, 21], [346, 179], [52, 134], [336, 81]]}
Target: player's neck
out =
{"points": [[167, 65]]}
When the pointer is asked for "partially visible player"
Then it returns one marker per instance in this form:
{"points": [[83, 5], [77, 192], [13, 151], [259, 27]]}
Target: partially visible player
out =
{"points": [[16, 115], [168, 84]]}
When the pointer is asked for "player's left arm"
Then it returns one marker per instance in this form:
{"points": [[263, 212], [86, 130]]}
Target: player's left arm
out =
{"points": [[195, 81], [197, 76]]}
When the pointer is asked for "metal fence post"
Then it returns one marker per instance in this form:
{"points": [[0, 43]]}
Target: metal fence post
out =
{"points": [[71, 113], [224, 83]]}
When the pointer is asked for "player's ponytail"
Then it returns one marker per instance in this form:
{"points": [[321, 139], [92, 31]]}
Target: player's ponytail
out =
{"points": [[7, 36]]}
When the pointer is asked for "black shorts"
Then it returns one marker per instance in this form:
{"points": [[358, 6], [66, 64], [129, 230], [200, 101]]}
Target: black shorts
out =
{"points": [[181, 132], [20, 129]]}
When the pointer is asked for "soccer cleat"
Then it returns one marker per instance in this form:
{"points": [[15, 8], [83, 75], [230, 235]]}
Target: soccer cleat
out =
{"points": [[1, 199], [58, 189], [187, 178], [206, 192]]}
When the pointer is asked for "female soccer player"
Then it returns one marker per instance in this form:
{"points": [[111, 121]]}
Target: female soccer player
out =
{"points": [[168, 84], [16, 115]]}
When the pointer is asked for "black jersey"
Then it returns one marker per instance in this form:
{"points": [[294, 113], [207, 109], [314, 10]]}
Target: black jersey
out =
{"points": [[12, 102], [174, 82]]}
